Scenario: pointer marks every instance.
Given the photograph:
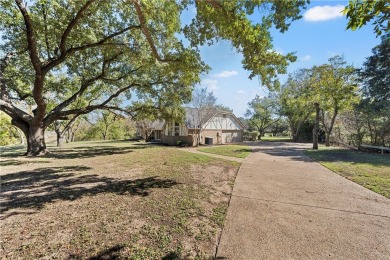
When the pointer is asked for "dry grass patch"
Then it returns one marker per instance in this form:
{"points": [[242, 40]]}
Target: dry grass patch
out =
{"points": [[238, 151], [106, 200]]}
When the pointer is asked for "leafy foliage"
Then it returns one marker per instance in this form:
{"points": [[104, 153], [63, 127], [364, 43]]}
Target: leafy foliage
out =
{"points": [[65, 58], [375, 73], [335, 90], [296, 100], [105, 125], [8, 133], [263, 112], [361, 12]]}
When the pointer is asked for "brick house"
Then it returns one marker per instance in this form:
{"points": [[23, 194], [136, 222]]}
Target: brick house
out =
{"points": [[223, 127]]}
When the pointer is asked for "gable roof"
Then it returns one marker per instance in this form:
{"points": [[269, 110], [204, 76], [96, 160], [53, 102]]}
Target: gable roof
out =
{"points": [[190, 117]]}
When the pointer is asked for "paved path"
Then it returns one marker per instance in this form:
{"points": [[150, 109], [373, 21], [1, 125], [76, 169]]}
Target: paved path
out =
{"points": [[285, 206]]}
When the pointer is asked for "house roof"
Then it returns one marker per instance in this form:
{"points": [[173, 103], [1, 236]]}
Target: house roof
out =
{"points": [[190, 117]]}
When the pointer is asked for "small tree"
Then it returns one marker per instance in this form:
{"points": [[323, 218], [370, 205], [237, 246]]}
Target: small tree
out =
{"points": [[63, 129], [296, 101], [334, 89], [202, 109], [263, 112], [145, 127]]}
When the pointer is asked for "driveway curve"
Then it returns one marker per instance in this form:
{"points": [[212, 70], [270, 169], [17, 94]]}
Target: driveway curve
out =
{"points": [[286, 206]]}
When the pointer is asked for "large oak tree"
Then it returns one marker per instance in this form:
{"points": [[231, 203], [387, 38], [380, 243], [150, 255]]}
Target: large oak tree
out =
{"points": [[61, 59]]}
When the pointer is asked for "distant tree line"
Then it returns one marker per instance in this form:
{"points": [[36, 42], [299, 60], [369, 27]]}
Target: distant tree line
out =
{"points": [[333, 102]]}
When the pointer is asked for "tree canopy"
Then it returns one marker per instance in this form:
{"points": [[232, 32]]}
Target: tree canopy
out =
{"points": [[360, 12], [263, 112], [60, 59], [375, 74]]}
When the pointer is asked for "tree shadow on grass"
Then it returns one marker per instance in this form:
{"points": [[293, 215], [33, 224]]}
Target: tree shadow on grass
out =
{"points": [[88, 152], [115, 253], [76, 151], [79, 152], [295, 154], [110, 253], [13, 162], [349, 156], [31, 190]]}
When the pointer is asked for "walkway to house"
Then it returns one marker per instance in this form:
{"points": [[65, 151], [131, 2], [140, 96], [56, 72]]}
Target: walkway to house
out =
{"points": [[194, 150], [285, 206]]}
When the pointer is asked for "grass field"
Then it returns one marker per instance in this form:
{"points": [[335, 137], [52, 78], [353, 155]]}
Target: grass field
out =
{"points": [[239, 151], [110, 200], [369, 170]]}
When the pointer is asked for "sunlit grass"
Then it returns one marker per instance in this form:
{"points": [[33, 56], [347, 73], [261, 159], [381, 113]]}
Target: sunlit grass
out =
{"points": [[369, 170]]}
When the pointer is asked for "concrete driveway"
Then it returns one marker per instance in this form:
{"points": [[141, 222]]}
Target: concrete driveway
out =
{"points": [[285, 206]]}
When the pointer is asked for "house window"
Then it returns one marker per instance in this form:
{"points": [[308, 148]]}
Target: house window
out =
{"points": [[170, 129], [177, 129]]}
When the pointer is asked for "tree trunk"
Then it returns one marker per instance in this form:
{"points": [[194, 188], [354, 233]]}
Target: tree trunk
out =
{"points": [[36, 145], [260, 135], [327, 139], [60, 138], [198, 138], [316, 126]]}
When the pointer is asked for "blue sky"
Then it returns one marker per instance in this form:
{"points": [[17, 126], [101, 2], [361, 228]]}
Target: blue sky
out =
{"points": [[319, 35]]}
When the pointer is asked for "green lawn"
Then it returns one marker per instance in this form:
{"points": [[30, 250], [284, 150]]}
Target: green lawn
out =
{"points": [[113, 200], [239, 151], [369, 170]]}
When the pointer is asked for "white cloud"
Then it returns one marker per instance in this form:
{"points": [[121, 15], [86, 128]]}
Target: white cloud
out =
{"points": [[241, 91], [226, 74], [306, 58], [211, 84], [323, 13], [277, 51]]}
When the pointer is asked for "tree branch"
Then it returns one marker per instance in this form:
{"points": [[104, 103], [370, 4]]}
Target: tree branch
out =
{"points": [[54, 116], [31, 41], [14, 112], [44, 13], [73, 50], [72, 24], [147, 34], [84, 87], [69, 124]]}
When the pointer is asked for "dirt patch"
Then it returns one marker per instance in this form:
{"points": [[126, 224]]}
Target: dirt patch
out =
{"points": [[143, 204]]}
